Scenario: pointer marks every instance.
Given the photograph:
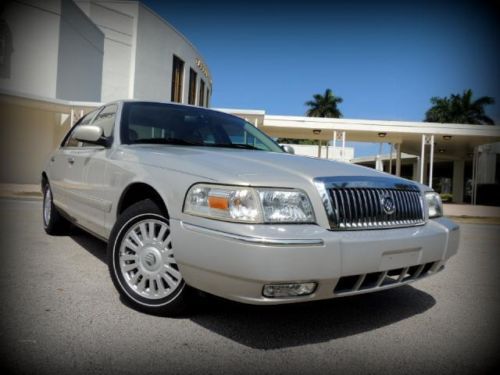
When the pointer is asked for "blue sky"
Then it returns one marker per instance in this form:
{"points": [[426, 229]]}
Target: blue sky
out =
{"points": [[386, 59]]}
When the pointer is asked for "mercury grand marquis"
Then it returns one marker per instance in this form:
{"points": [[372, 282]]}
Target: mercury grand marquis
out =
{"points": [[194, 199]]}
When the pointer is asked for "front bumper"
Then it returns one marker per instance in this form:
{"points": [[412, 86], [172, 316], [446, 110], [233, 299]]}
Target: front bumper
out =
{"points": [[235, 261]]}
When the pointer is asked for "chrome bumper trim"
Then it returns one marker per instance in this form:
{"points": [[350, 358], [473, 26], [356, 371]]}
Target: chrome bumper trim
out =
{"points": [[254, 240]]}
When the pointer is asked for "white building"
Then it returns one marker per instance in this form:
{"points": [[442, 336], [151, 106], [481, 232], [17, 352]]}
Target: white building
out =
{"points": [[59, 58], [99, 51], [50, 49]]}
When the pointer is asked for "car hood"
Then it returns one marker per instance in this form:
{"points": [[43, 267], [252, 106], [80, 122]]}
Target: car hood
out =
{"points": [[242, 167]]}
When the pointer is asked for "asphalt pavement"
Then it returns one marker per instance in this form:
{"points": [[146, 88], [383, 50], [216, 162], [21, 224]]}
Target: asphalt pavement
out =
{"points": [[60, 313]]}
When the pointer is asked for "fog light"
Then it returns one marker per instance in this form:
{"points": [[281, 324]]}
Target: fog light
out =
{"points": [[288, 290]]}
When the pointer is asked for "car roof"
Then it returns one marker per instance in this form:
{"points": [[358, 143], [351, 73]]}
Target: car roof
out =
{"points": [[161, 102]]}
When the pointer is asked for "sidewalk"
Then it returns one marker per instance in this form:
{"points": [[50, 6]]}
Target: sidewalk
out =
{"points": [[467, 210], [20, 191], [450, 209]]}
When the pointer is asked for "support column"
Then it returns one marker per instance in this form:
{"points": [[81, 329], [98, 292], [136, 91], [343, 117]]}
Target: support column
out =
{"points": [[416, 168], [342, 153], [475, 174], [390, 157], [431, 161], [398, 159], [72, 117], [334, 144], [422, 159], [458, 181], [379, 165], [319, 148], [486, 164]]}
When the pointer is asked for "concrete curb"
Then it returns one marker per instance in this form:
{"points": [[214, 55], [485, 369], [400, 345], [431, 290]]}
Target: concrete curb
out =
{"points": [[475, 220], [27, 197]]}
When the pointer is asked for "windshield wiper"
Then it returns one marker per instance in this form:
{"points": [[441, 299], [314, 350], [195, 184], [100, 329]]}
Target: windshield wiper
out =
{"points": [[233, 145], [182, 142], [166, 141]]}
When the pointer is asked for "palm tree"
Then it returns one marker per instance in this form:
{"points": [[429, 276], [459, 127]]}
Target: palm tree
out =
{"points": [[324, 105], [460, 109]]}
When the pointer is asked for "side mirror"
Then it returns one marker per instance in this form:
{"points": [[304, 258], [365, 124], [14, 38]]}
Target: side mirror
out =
{"points": [[90, 134], [288, 149]]}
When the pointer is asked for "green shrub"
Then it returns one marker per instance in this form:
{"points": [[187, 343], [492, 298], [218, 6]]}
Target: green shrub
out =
{"points": [[446, 197]]}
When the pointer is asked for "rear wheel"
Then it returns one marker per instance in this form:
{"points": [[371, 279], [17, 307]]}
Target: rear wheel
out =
{"points": [[53, 222], [142, 264]]}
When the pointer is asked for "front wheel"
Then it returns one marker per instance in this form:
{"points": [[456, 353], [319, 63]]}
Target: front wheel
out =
{"points": [[142, 264]]}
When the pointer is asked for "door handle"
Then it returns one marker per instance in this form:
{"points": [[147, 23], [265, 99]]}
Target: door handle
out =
{"points": [[52, 159], [71, 161]]}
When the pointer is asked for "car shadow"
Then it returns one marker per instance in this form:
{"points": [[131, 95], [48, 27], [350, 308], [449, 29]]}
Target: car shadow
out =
{"points": [[284, 326], [290, 325], [92, 244]]}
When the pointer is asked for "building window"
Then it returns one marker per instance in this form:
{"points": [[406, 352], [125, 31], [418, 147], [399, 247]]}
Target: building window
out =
{"points": [[177, 78], [192, 87], [201, 97], [206, 97]]}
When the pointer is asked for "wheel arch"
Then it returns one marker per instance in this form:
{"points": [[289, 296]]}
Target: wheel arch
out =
{"points": [[136, 192], [44, 179]]}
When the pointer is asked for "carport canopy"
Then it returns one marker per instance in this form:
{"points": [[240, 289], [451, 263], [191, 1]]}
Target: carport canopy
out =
{"points": [[454, 141]]}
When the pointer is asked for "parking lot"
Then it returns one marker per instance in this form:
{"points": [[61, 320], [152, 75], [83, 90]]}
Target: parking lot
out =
{"points": [[60, 312]]}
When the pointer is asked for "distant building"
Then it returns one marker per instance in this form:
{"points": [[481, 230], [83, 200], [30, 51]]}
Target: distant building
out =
{"points": [[326, 152]]}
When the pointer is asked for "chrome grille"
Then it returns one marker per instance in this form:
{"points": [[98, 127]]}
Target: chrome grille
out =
{"points": [[371, 203]]}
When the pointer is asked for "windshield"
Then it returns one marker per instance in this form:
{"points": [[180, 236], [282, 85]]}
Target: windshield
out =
{"points": [[159, 123]]}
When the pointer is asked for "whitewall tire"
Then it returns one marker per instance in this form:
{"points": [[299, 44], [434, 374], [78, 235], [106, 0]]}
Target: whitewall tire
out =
{"points": [[142, 264]]}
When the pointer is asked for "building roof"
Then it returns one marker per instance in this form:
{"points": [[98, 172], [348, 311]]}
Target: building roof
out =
{"points": [[452, 141], [383, 157]]}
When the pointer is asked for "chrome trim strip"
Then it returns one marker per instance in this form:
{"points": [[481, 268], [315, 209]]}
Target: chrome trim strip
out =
{"points": [[344, 182], [333, 217], [254, 240]]}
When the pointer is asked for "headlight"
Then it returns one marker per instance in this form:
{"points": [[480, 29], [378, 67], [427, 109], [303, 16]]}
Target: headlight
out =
{"points": [[434, 204], [285, 206], [245, 204]]}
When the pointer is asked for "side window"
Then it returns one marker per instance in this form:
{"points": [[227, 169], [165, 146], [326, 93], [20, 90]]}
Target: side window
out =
{"points": [[106, 119], [69, 141], [87, 119]]}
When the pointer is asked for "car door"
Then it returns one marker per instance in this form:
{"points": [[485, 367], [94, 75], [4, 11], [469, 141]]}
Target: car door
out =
{"points": [[60, 162], [85, 177]]}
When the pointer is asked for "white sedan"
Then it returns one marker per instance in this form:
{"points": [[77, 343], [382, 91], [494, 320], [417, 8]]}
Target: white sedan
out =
{"points": [[190, 198]]}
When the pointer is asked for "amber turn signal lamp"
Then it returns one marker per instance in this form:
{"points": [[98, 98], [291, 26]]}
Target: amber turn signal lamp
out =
{"points": [[218, 202]]}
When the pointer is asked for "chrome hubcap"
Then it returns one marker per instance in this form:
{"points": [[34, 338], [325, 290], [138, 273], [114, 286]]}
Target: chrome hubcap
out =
{"points": [[47, 206], [146, 260]]}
